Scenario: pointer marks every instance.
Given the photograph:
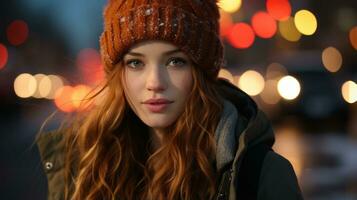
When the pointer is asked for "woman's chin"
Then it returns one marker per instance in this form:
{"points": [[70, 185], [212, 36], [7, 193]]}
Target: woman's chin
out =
{"points": [[158, 121]]}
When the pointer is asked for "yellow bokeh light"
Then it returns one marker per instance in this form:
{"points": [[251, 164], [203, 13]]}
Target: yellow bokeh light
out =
{"points": [[44, 86], [223, 73], [270, 94], [288, 30], [349, 92], [305, 22], [289, 87], [38, 78], [332, 59], [251, 82], [230, 6], [25, 85], [56, 84]]}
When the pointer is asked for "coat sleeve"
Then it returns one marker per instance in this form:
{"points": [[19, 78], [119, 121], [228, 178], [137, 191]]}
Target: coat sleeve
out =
{"points": [[278, 180]]}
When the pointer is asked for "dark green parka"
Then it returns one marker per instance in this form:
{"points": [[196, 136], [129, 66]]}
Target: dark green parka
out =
{"points": [[242, 126]]}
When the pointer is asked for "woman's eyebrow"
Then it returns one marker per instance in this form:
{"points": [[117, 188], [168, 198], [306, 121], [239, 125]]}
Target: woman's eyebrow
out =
{"points": [[166, 53]]}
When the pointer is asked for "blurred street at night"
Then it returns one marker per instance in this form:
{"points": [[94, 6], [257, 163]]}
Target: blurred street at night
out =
{"points": [[297, 59]]}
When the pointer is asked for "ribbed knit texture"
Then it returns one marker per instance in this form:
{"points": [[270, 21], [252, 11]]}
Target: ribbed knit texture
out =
{"points": [[192, 25]]}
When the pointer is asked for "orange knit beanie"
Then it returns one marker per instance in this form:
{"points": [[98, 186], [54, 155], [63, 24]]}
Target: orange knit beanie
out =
{"points": [[191, 25]]}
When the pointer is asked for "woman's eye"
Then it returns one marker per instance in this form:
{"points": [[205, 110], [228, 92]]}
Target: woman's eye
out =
{"points": [[134, 63], [178, 62]]}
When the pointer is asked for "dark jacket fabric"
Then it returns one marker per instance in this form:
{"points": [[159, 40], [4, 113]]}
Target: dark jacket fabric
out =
{"points": [[242, 126]]}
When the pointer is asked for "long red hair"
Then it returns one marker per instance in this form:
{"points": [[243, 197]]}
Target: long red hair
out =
{"points": [[108, 154]]}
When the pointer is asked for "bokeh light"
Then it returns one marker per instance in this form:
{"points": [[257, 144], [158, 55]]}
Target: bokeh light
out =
{"points": [[264, 25], [349, 91], [3, 56], [275, 71], [25, 85], [63, 99], [291, 145], [279, 9], [288, 30], [270, 94], [225, 23], [56, 82], [289, 87], [332, 59], [89, 63], [353, 37], [38, 78], [223, 73], [17, 32], [230, 6], [305, 22], [44, 86], [252, 82], [241, 36], [81, 97]]}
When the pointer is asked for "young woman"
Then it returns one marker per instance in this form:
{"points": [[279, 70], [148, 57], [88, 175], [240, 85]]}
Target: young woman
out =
{"points": [[167, 127]]}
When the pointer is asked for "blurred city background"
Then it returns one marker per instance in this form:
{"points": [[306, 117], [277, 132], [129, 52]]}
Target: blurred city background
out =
{"points": [[297, 59]]}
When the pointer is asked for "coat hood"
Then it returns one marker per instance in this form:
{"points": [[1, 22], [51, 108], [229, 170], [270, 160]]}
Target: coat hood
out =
{"points": [[242, 125]]}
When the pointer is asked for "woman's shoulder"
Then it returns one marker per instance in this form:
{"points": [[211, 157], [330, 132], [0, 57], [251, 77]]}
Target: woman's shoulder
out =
{"points": [[278, 179]]}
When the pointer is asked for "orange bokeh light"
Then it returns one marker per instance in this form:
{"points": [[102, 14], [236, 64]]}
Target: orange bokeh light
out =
{"points": [[353, 37], [81, 97], [63, 99], [279, 9], [17, 32], [241, 36], [3, 56], [264, 25], [226, 24]]}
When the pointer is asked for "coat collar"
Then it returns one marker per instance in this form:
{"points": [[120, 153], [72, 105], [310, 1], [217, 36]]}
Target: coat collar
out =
{"points": [[242, 125]]}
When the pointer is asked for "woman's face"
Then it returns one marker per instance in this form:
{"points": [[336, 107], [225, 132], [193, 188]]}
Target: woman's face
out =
{"points": [[157, 70]]}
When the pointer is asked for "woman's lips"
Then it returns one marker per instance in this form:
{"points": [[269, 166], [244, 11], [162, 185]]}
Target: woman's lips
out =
{"points": [[157, 107]]}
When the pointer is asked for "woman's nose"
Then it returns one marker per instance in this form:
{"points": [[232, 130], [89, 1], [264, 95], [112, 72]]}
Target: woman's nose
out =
{"points": [[156, 79]]}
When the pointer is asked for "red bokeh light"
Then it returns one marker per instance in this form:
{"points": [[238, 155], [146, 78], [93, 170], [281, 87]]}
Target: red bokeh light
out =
{"points": [[3, 56], [17, 32], [279, 9], [264, 25], [90, 66], [241, 36]]}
